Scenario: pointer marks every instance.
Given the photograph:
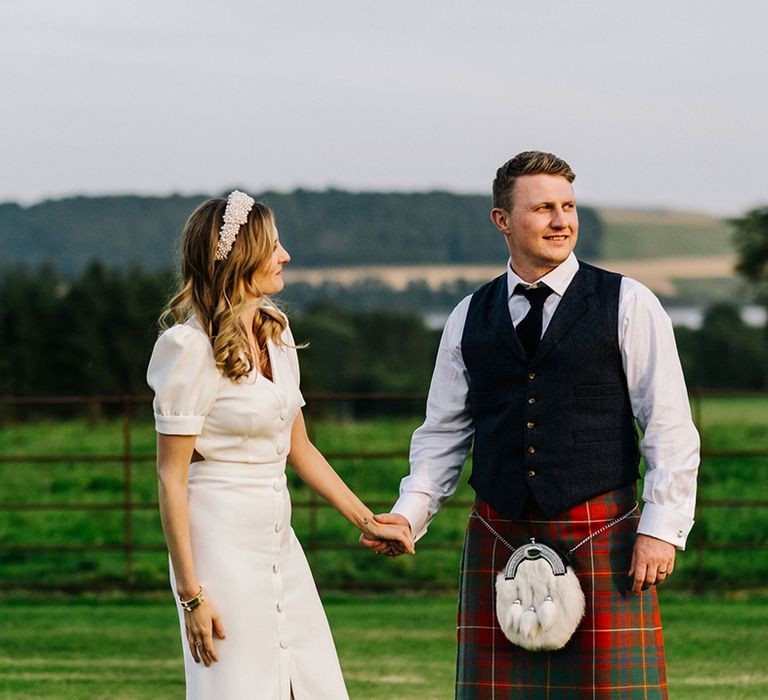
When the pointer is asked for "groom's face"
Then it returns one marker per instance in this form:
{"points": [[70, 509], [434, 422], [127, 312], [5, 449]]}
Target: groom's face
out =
{"points": [[542, 225]]}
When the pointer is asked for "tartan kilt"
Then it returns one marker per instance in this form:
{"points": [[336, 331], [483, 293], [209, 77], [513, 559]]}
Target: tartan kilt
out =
{"points": [[616, 652]]}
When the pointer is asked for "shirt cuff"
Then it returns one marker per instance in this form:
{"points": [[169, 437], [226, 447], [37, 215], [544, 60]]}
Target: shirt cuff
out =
{"points": [[414, 507], [179, 425], [664, 524]]}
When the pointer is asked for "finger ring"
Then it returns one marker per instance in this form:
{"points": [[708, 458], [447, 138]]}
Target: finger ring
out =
{"points": [[664, 573]]}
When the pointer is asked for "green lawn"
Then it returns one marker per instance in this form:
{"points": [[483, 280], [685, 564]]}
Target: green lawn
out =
{"points": [[725, 422], [390, 648]]}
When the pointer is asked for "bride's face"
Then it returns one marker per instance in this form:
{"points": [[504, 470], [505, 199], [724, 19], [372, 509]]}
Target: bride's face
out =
{"points": [[270, 280]]}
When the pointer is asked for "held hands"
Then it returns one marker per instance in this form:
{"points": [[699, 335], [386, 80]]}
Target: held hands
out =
{"points": [[202, 624], [652, 561], [389, 534]]}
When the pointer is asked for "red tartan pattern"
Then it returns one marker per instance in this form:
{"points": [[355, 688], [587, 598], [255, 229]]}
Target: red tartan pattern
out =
{"points": [[617, 650]]}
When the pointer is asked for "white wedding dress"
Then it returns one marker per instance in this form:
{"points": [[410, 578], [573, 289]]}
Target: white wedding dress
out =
{"points": [[247, 557]]}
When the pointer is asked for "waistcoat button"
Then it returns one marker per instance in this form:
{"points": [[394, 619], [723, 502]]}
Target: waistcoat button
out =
{"points": [[531, 401], [531, 473], [531, 450], [530, 424], [531, 375]]}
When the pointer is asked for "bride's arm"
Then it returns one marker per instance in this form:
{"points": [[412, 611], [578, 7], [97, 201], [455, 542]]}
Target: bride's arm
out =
{"points": [[320, 476], [174, 453]]}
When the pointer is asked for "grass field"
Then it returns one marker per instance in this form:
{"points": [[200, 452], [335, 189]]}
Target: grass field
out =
{"points": [[629, 234], [726, 423], [120, 649], [391, 648]]}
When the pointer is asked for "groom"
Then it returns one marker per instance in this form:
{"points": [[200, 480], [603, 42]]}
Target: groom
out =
{"points": [[546, 370]]}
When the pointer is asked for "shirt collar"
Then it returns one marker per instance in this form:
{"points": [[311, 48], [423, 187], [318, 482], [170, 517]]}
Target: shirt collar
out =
{"points": [[557, 280]]}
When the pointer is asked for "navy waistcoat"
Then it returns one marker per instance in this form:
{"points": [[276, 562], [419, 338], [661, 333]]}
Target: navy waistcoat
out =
{"points": [[558, 427]]}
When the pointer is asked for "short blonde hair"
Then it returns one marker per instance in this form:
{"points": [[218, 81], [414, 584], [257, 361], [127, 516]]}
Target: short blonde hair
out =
{"points": [[526, 163], [216, 291]]}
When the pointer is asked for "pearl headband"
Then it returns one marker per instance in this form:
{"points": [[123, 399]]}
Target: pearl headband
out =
{"points": [[236, 213]]}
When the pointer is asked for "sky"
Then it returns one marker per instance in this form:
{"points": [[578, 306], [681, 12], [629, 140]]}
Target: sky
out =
{"points": [[655, 104]]}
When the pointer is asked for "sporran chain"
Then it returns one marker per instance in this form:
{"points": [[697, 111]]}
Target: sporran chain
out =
{"points": [[477, 515]]}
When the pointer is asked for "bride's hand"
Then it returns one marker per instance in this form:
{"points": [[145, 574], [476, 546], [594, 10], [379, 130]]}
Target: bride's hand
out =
{"points": [[395, 533], [202, 624]]}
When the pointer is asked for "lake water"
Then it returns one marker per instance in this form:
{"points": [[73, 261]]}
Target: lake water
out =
{"points": [[687, 316]]}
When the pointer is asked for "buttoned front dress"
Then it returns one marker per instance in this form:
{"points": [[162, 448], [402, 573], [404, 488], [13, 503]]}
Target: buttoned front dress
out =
{"points": [[246, 555]]}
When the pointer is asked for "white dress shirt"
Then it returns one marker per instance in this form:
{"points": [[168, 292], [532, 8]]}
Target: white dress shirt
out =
{"points": [[670, 443]]}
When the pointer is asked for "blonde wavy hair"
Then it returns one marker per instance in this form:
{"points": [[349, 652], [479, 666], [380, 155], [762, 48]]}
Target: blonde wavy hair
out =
{"points": [[217, 291]]}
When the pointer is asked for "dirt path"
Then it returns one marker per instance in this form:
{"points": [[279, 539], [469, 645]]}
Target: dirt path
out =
{"points": [[656, 273]]}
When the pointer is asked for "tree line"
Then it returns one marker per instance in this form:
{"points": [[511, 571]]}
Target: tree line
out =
{"points": [[94, 335], [322, 229]]}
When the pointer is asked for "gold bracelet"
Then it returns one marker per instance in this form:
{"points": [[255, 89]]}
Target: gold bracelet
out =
{"points": [[194, 602]]}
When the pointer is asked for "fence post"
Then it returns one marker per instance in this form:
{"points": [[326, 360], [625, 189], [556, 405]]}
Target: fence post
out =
{"points": [[128, 492]]}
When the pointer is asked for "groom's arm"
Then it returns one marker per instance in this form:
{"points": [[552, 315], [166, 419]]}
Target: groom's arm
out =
{"points": [[439, 447], [438, 451]]}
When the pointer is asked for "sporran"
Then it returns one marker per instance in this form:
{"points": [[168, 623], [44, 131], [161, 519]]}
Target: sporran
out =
{"points": [[539, 601]]}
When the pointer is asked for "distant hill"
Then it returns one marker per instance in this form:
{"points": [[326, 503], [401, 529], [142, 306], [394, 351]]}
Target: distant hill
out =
{"points": [[686, 258], [647, 233], [321, 229]]}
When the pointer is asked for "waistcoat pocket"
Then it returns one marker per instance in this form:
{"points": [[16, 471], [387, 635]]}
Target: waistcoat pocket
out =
{"points": [[587, 391], [585, 437]]}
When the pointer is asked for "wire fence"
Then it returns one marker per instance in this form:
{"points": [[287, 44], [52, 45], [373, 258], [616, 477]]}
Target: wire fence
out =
{"points": [[127, 459]]}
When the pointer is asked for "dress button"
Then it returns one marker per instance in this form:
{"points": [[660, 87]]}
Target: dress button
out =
{"points": [[278, 527], [280, 449], [530, 424], [282, 416], [531, 375], [277, 485], [531, 473], [531, 401], [284, 644], [275, 568], [279, 606], [531, 450]]}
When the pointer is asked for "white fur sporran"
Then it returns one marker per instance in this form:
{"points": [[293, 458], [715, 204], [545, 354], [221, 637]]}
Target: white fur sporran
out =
{"points": [[539, 601]]}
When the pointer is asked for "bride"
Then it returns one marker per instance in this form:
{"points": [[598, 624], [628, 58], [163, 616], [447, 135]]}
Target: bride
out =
{"points": [[228, 416]]}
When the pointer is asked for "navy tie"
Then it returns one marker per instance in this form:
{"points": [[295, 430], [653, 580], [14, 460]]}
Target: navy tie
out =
{"points": [[529, 329]]}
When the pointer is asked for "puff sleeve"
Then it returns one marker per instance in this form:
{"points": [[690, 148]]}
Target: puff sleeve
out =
{"points": [[185, 379]]}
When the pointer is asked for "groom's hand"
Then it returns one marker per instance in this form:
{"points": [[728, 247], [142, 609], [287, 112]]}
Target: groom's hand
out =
{"points": [[391, 549]]}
